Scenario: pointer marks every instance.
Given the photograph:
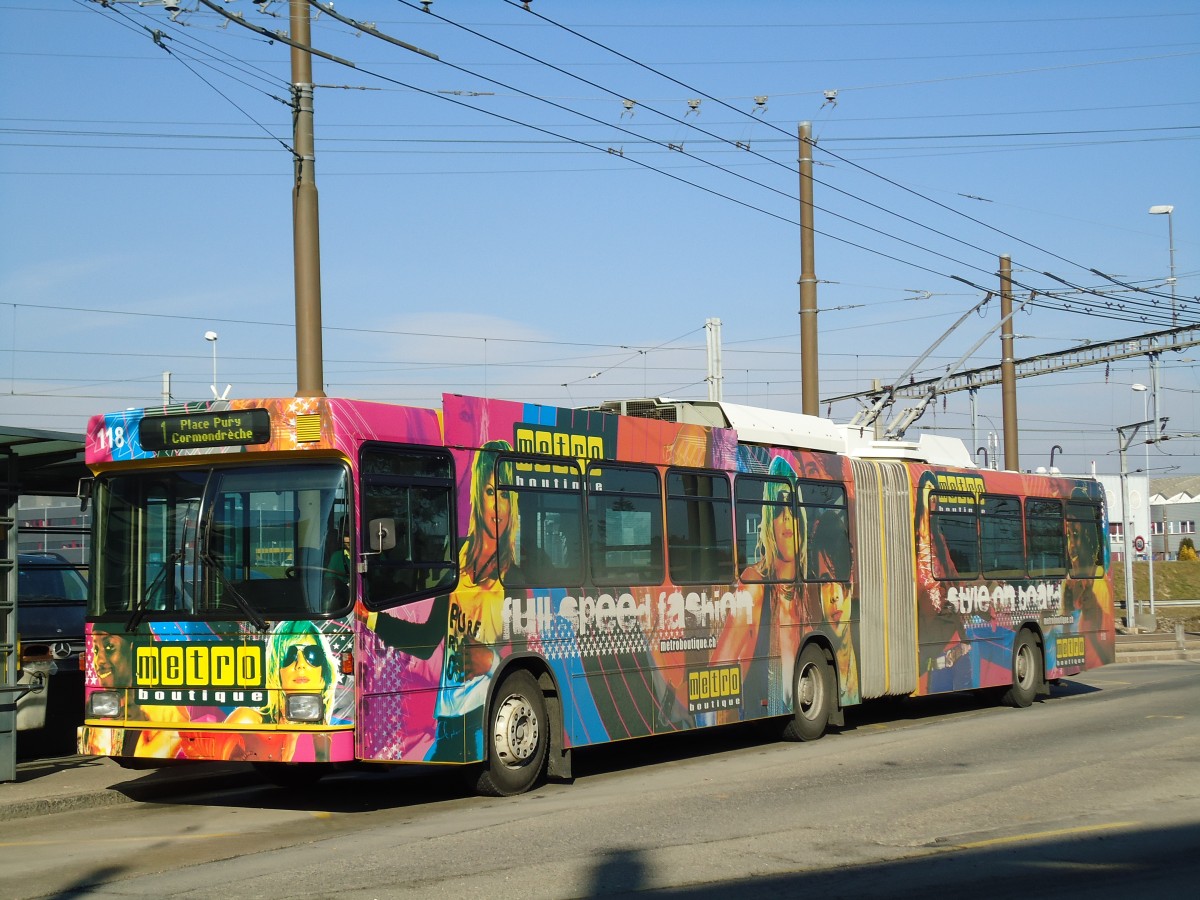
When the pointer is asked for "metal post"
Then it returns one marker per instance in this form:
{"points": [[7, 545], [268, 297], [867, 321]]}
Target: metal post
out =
{"points": [[1149, 506], [1169, 211], [310, 378], [1171, 248], [809, 384], [1125, 436], [1008, 369], [974, 420], [9, 548], [1130, 606], [715, 379]]}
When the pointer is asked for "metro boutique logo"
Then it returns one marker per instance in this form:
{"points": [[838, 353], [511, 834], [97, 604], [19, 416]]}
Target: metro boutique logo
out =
{"points": [[199, 665], [715, 689], [199, 673]]}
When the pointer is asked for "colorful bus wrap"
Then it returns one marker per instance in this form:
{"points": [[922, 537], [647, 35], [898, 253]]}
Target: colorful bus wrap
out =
{"points": [[496, 583]]}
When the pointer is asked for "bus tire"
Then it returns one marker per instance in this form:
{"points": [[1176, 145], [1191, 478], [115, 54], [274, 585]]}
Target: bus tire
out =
{"points": [[1027, 671], [812, 696], [518, 737]]}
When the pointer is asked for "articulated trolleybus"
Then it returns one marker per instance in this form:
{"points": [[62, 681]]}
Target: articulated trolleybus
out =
{"points": [[303, 583]]}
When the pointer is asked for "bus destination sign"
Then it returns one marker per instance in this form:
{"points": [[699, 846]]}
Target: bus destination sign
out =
{"points": [[224, 428]]}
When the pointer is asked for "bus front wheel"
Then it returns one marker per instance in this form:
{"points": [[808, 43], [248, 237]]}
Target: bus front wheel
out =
{"points": [[812, 696], [518, 737]]}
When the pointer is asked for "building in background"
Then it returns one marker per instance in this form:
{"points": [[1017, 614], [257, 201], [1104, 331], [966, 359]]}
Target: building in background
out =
{"points": [[1175, 509]]}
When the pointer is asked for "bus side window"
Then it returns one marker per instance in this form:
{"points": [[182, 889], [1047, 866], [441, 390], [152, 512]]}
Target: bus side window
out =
{"points": [[546, 512], [1002, 537], [825, 546], [699, 528], [1085, 538], [625, 525], [415, 489], [954, 531], [1045, 537]]}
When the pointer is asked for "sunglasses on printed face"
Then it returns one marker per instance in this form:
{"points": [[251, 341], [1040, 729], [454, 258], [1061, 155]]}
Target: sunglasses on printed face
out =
{"points": [[312, 655]]}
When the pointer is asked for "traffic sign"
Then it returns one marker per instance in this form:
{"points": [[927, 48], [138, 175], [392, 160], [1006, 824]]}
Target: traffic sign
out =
{"points": [[1139, 543]]}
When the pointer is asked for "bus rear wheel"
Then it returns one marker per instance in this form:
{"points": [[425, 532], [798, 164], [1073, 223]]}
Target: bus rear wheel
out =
{"points": [[1027, 672], [812, 696], [518, 737]]}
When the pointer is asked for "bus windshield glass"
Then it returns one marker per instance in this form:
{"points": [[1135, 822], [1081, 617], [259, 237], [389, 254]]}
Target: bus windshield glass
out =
{"points": [[252, 542]]}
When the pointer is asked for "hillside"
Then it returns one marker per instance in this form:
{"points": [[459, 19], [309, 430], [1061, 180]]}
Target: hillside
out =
{"points": [[1172, 581]]}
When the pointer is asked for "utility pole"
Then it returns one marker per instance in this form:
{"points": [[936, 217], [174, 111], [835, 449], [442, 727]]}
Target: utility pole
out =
{"points": [[715, 378], [810, 386], [1008, 371], [1125, 437], [306, 241], [1156, 436]]}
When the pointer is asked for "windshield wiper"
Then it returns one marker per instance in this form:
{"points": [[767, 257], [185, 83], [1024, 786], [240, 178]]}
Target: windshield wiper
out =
{"points": [[140, 607], [214, 565]]}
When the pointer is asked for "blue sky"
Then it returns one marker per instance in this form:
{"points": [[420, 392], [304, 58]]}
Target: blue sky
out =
{"points": [[491, 225]]}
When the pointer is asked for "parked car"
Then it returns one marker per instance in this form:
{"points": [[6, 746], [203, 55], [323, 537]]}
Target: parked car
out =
{"points": [[51, 601]]}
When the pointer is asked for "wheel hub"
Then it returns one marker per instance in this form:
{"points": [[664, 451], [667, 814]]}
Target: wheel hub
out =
{"points": [[516, 733], [806, 689]]}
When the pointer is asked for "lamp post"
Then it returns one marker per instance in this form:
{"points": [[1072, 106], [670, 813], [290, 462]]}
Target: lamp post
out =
{"points": [[1144, 391], [1167, 210], [211, 337]]}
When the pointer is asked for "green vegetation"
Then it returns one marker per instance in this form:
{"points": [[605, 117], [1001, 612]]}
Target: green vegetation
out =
{"points": [[1177, 580], [1172, 580]]}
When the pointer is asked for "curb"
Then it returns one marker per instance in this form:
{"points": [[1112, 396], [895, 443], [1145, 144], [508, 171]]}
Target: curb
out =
{"points": [[45, 806], [135, 788], [1142, 656], [1158, 646]]}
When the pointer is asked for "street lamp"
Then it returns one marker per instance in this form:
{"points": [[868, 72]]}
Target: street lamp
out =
{"points": [[1167, 210], [211, 337], [1144, 391]]}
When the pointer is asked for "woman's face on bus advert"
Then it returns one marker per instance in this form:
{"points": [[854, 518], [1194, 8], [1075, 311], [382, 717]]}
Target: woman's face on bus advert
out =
{"points": [[495, 511], [300, 668], [784, 528], [835, 604]]}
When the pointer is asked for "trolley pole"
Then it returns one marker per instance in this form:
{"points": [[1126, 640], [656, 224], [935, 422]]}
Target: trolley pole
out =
{"points": [[306, 242], [1008, 368], [810, 386]]}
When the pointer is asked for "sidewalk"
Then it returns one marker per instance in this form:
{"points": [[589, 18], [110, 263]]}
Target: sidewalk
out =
{"points": [[1158, 645], [68, 783]]}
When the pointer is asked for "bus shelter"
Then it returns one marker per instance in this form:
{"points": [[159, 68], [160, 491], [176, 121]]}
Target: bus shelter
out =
{"points": [[32, 462]]}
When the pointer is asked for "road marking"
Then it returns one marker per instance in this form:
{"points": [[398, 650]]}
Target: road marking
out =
{"points": [[1038, 835]]}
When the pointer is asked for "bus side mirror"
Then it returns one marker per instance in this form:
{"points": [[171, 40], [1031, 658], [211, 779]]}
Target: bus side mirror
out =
{"points": [[84, 493], [382, 534]]}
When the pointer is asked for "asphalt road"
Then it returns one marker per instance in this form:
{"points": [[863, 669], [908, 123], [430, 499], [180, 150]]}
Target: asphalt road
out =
{"points": [[1092, 793]]}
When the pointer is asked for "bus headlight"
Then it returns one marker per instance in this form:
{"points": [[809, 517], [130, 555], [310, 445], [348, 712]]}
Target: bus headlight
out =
{"points": [[304, 708], [104, 705]]}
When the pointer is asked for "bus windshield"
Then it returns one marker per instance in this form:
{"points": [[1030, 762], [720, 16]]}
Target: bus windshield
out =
{"points": [[251, 542]]}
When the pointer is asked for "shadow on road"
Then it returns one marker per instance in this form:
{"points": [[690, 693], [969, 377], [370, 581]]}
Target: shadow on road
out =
{"points": [[1070, 865], [373, 788]]}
